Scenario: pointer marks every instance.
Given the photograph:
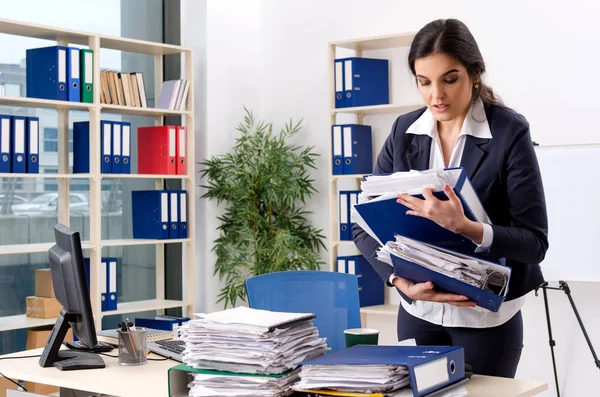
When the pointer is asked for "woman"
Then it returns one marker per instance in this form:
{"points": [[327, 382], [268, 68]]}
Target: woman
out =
{"points": [[465, 125]]}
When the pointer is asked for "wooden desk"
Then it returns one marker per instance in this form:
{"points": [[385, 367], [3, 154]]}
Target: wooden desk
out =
{"points": [[151, 379]]}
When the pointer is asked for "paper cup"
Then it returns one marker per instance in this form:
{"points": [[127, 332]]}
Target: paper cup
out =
{"points": [[361, 336]]}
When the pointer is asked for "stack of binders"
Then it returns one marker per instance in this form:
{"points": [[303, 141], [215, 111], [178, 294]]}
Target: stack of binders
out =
{"points": [[370, 287], [347, 200], [108, 282], [162, 150], [352, 149], [19, 144], [361, 82], [419, 249], [115, 147], [60, 73], [159, 214], [365, 370]]}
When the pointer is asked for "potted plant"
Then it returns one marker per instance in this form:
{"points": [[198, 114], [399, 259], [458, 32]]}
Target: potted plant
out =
{"points": [[264, 183]]}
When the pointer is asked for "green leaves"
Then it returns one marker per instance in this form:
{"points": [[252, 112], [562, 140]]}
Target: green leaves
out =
{"points": [[264, 183]]}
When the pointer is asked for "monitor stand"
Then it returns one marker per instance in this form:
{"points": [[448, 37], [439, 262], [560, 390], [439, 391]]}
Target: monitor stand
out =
{"points": [[66, 360]]}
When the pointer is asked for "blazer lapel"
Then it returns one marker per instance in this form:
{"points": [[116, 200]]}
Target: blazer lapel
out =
{"points": [[473, 154], [418, 153]]}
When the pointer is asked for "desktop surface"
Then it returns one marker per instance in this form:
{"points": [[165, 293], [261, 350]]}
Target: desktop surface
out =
{"points": [[115, 380], [152, 380]]}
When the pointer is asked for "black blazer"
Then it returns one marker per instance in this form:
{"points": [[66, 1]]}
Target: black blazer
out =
{"points": [[506, 176]]}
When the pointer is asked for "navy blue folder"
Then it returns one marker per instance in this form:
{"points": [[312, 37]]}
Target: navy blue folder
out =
{"points": [[357, 149], [371, 290], [47, 73], [81, 147], [430, 368], [150, 212], [366, 82]]}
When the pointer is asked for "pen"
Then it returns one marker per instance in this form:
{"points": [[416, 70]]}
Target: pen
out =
{"points": [[133, 348]]}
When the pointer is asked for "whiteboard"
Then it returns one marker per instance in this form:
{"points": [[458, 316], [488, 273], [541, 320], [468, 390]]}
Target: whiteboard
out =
{"points": [[571, 177]]}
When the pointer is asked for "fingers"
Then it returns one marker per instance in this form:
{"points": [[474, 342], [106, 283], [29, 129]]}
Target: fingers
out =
{"points": [[424, 287], [462, 304], [450, 193], [409, 201], [414, 213], [446, 297], [428, 194]]}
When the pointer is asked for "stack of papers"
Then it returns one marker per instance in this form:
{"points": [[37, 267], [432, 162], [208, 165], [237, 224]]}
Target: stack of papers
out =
{"points": [[353, 378], [206, 385], [469, 270], [381, 187], [248, 341]]}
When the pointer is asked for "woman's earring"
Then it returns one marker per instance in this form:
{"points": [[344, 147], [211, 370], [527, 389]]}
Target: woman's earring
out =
{"points": [[476, 85]]}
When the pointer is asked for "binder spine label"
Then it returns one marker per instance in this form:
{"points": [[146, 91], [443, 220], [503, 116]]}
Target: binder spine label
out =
{"points": [[62, 66], [431, 374]]}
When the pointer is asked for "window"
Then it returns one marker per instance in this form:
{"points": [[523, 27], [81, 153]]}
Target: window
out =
{"points": [[51, 139], [50, 185]]}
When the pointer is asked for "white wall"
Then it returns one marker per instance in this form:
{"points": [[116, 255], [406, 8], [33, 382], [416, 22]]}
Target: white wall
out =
{"points": [[225, 37], [272, 56]]}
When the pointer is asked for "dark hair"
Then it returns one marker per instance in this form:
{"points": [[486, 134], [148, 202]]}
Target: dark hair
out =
{"points": [[452, 37]]}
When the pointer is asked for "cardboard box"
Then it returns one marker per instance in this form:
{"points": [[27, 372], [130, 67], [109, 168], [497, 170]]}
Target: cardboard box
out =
{"points": [[42, 307], [38, 337], [5, 385], [43, 284]]}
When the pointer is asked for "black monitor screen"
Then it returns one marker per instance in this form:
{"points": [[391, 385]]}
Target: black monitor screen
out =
{"points": [[70, 285]]}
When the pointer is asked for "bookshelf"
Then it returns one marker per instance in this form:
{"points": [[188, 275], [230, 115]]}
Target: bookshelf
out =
{"points": [[95, 244], [357, 46]]}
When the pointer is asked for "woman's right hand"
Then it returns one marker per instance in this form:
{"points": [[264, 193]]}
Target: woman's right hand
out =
{"points": [[426, 292]]}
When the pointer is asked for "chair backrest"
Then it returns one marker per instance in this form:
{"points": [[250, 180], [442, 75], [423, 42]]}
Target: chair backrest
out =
{"points": [[331, 296]]}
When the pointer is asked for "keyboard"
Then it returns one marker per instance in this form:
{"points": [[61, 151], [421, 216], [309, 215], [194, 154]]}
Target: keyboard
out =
{"points": [[168, 348], [175, 345]]}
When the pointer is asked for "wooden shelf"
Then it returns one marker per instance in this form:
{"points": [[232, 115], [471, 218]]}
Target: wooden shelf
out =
{"points": [[386, 310], [378, 109], [144, 176], [342, 242], [21, 321], [120, 109], [141, 47], [46, 176], [82, 38], [33, 248], [355, 176], [44, 103], [140, 241], [376, 43], [143, 306]]}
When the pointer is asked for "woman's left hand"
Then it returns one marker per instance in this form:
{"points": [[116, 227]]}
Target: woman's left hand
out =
{"points": [[449, 214]]}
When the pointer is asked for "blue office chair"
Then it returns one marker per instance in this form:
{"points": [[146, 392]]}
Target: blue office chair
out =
{"points": [[331, 296]]}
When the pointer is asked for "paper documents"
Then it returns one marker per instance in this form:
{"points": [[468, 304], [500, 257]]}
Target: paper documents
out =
{"points": [[469, 270], [251, 341], [378, 188], [353, 378], [203, 385]]}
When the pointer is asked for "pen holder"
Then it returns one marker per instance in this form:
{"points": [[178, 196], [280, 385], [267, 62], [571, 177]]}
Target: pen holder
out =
{"points": [[132, 346]]}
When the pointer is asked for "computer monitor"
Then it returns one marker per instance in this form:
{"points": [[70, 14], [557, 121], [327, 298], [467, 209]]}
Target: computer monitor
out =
{"points": [[71, 290]]}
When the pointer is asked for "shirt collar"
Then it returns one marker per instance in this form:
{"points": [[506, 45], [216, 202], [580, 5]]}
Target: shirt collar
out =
{"points": [[475, 123]]}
